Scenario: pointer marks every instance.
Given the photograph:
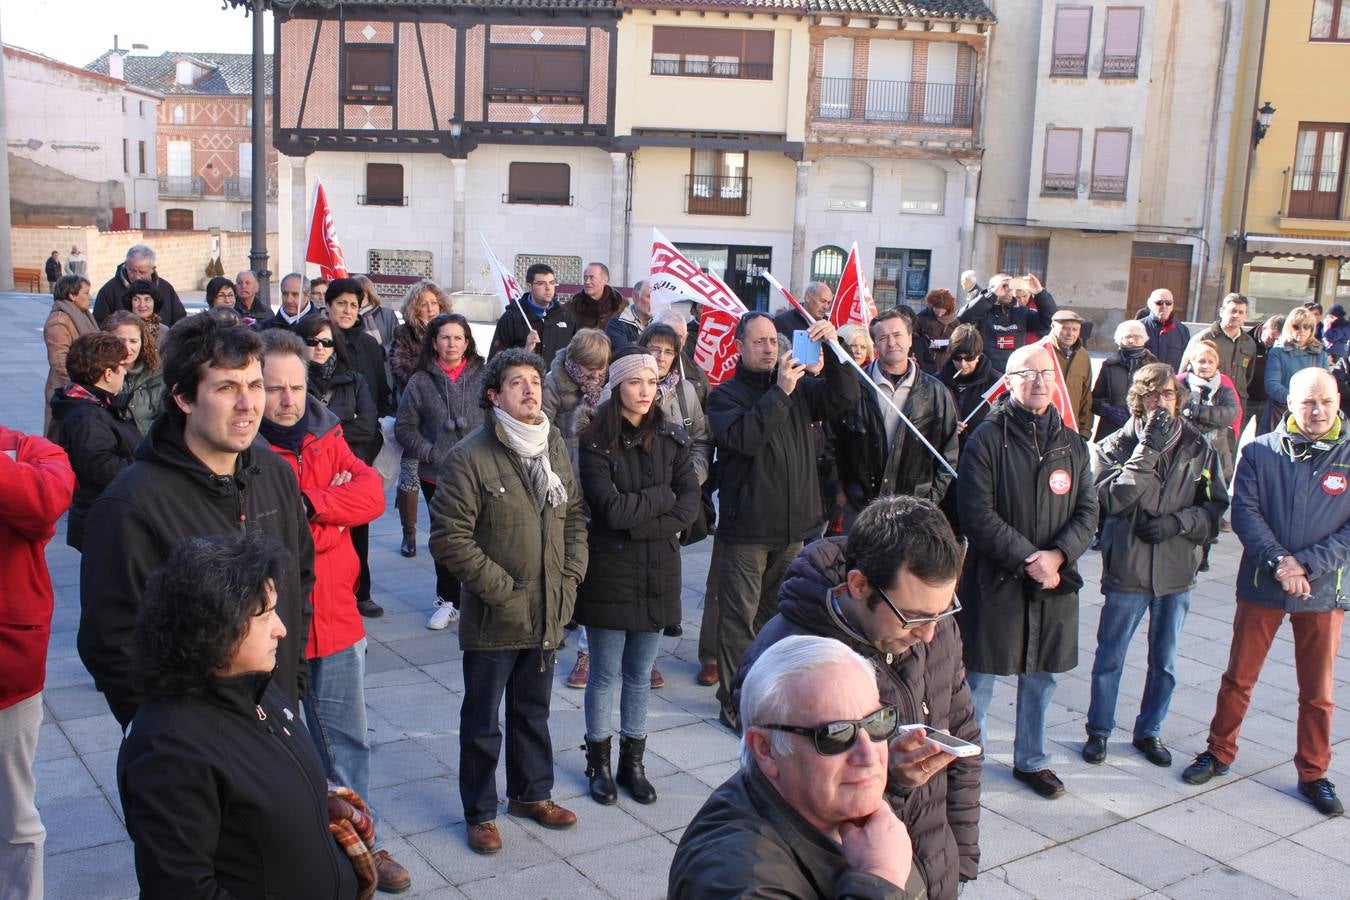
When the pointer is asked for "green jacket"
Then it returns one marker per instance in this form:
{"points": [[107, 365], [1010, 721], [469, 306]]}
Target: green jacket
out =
{"points": [[519, 568]]}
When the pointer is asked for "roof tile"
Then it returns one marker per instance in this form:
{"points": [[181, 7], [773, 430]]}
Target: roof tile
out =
{"points": [[232, 72]]}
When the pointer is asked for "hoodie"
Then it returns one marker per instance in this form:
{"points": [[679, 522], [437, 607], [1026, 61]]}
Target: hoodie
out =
{"points": [[99, 436]]}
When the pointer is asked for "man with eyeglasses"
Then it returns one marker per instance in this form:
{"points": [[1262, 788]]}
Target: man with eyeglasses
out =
{"points": [[888, 592], [1292, 515], [538, 322], [1003, 323], [1167, 335], [1027, 505], [805, 816]]}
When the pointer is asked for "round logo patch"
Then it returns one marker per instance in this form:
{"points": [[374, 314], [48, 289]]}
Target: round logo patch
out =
{"points": [[1335, 483], [1061, 481]]}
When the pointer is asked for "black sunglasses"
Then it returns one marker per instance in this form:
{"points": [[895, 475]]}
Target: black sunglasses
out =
{"points": [[319, 342], [917, 621], [963, 358], [834, 738]]}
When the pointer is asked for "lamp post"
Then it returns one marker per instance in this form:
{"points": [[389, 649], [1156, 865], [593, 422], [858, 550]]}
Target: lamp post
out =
{"points": [[1260, 125], [257, 254]]}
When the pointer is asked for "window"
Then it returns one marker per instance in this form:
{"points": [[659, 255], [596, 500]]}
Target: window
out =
{"points": [[248, 117], [384, 186], [124, 104], [567, 269], [889, 76], [537, 74], [1280, 283], [712, 52], [545, 184], [1110, 163], [370, 73], [178, 116], [717, 183], [1120, 45], [827, 265], [1023, 256], [1330, 20], [922, 186], [414, 263], [1319, 171], [1073, 24], [850, 185], [126, 156], [185, 72], [1343, 282], [1062, 154], [179, 157], [245, 167], [142, 108], [140, 148]]}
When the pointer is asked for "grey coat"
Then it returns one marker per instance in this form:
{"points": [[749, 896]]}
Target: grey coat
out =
{"points": [[436, 413]]}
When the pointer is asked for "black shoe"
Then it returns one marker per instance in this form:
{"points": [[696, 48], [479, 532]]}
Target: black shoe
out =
{"points": [[1322, 794], [1094, 751], [632, 776], [1153, 751], [369, 608], [598, 777], [1043, 782], [1205, 767], [674, 631]]}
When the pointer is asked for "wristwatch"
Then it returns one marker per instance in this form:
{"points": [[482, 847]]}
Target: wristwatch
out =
{"points": [[1273, 564]]}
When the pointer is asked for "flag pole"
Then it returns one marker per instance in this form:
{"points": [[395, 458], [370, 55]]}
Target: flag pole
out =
{"points": [[984, 401], [496, 265]]}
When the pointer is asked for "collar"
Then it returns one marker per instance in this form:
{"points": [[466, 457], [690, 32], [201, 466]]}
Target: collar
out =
{"points": [[1333, 435], [528, 299], [884, 380], [309, 308]]}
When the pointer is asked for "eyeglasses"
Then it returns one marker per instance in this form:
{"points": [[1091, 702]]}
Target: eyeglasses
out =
{"points": [[962, 358], [319, 342], [834, 738], [911, 622], [1165, 302], [544, 283], [1162, 395], [1035, 374]]}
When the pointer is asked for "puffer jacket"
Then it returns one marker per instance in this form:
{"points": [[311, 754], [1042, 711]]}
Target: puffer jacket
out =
{"points": [[1217, 418], [333, 511], [748, 841], [1018, 493], [1135, 483], [682, 407], [564, 407], [640, 500], [100, 439], [1281, 364], [145, 396], [347, 396], [367, 359], [436, 413], [404, 350], [64, 324], [1289, 497], [1005, 326], [555, 328], [868, 468], [1113, 383], [927, 683], [623, 329], [519, 566]]}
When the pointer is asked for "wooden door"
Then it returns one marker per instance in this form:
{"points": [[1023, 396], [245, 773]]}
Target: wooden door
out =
{"points": [[178, 219], [1153, 267], [1319, 172]]}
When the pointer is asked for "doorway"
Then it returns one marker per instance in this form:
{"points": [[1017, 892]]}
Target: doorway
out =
{"points": [[1154, 266], [741, 267]]}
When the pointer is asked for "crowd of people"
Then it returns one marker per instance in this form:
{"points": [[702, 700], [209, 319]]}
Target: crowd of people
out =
{"points": [[886, 541]]}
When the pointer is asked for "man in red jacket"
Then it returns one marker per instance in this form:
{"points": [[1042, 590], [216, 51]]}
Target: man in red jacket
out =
{"points": [[339, 492], [36, 484]]}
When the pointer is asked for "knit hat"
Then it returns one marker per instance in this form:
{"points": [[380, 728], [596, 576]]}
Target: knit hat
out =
{"points": [[629, 361]]}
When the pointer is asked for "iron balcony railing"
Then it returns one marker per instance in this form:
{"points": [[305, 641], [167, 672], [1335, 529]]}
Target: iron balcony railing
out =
{"points": [[181, 186], [1069, 64], [717, 195], [1119, 66], [895, 102], [1108, 186], [243, 187], [1066, 185], [715, 67]]}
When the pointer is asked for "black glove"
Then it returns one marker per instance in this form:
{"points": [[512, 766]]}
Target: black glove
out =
{"points": [[1157, 427], [1156, 529]]}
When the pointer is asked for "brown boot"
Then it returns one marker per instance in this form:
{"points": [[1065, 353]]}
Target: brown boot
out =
{"points": [[393, 878], [406, 501], [581, 672], [708, 674]]}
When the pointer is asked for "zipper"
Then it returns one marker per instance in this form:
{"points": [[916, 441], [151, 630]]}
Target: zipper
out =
{"points": [[239, 504], [322, 799]]}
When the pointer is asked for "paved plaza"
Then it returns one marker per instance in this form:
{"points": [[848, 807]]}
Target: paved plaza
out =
{"points": [[1124, 829]]}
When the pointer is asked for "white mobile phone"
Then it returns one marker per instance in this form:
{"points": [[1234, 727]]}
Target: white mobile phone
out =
{"points": [[953, 745]]}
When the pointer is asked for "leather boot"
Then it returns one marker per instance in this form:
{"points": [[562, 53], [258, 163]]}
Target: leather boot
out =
{"points": [[406, 501], [632, 776], [597, 771]]}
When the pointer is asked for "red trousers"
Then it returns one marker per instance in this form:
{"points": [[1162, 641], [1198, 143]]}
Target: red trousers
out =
{"points": [[1317, 639]]}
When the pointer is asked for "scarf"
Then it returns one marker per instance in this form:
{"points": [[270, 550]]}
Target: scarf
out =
{"points": [[291, 320], [530, 443], [670, 384], [591, 384], [322, 373], [1205, 388], [289, 437]]}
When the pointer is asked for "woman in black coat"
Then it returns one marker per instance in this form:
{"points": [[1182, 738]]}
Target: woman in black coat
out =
{"points": [[968, 374], [93, 423], [642, 490], [1113, 380], [364, 353], [222, 790]]}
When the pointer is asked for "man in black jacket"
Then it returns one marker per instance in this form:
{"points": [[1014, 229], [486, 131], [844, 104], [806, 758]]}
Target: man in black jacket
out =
{"points": [[139, 266], [768, 501], [1027, 504], [295, 304], [817, 298], [876, 453], [1002, 323], [538, 322], [53, 269], [201, 471]]}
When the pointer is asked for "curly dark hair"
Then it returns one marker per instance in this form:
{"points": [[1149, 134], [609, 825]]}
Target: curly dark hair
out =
{"points": [[902, 532], [215, 286], [1149, 379], [93, 354], [149, 358], [194, 344], [426, 357], [197, 608], [499, 364]]}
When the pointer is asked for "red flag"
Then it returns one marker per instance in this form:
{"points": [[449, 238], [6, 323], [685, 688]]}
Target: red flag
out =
{"points": [[323, 248], [853, 304], [715, 353], [1060, 397]]}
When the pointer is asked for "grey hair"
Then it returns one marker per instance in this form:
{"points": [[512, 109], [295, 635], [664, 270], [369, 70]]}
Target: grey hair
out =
{"points": [[969, 275], [764, 692], [675, 319], [601, 266], [304, 282], [1128, 325], [138, 252], [244, 272], [814, 286], [280, 342]]}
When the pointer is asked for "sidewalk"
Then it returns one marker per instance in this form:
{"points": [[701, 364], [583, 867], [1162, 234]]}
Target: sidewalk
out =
{"points": [[1125, 829]]}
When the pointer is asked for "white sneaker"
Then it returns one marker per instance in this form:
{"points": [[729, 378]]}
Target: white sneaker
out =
{"points": [[444, 615]]}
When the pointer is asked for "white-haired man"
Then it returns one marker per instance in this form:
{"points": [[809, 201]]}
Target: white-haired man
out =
{"points": [[139, 265], [970, 283], [1167, 335]]}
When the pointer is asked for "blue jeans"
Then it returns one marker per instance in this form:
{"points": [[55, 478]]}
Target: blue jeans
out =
{"points": [[1120, 618], [633, 652], [1034, 690], [335, 710]]}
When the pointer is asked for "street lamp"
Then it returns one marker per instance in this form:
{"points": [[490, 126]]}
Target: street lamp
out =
{"points": [[1262, 123]]}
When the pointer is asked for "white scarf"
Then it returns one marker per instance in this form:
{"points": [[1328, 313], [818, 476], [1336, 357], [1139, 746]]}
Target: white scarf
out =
{"points": [[530, 443]]}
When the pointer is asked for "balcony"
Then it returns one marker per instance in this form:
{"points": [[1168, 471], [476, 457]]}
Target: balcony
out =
{"points": [[242, 188], [716, 67], [1059, 185], [1119, 66], [181, 186], [872, 101], [717, 195], [1070, 65], [1107, 187], [380, 200]]}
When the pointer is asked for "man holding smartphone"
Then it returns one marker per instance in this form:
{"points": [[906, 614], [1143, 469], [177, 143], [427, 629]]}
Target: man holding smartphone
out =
{"points": [[1293, 518]]}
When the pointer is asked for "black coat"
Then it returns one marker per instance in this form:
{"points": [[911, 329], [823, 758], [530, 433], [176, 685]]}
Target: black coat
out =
{"points": [[869, 469], [1108, 394], [164, 497], [1004, 327], [347, 396], [99, 436], [114, 296], [1168, 346], [224, 795], [968, 391], [769, 483], [367, 359], [928, 685], [555, 330], [640, 501], [1009, 510]]}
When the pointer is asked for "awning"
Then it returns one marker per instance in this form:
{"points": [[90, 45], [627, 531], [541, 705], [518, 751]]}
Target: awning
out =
{"points": [[1309, 245]]}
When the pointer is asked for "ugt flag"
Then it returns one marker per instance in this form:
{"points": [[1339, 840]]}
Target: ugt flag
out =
{"points": [[853, 304], [715, 352], [323, 248]]}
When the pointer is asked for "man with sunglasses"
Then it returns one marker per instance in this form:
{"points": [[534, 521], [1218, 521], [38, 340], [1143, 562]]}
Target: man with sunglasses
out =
{"points": [[1026, 502], [888, 592], [1167, 335], [805, 816], [1003, 323]]}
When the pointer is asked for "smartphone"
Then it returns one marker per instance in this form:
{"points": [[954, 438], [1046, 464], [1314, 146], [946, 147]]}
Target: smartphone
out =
{"points": [[806, 351], [953, 745]]}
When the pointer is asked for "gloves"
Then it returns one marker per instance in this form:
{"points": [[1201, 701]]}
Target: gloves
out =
{"points": [[1156, 529], [1157, 425]]}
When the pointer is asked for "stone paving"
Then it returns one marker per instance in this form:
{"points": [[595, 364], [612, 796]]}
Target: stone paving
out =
{"points": [[1124, 829]]}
